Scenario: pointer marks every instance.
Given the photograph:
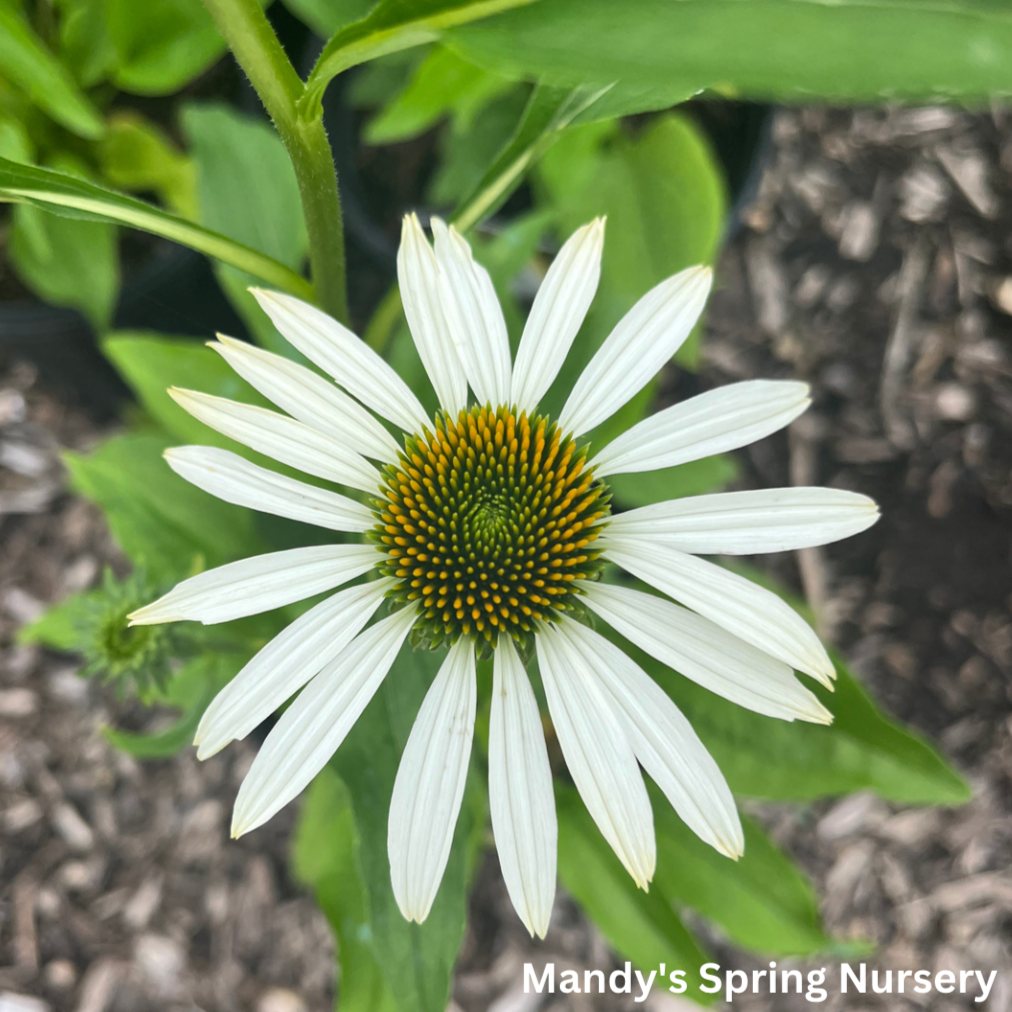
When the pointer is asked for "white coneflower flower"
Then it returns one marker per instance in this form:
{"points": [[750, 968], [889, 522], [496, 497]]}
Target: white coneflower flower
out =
{"points": [[486, 530]]}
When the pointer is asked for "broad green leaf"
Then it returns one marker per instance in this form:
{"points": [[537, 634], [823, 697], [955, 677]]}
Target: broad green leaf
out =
{"points": [[151, 363], [851, 50], [766, 758], [326, 17], [641, 927], [761, 901], [694, 478], [391, 25], [665, 200], [26, 62], [137, 155], [326, 857], [245, 181], [67, 261], [417, 959], [159, 519], [161, 44], [248, 192], [442, 85], [75, 198], [15, 143], [190, 690]]}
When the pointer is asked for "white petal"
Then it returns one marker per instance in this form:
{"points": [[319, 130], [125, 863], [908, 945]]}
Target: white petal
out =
{"points": [[282, 667], [719, 420], [706, 653], [663, 741], [259, 584], [430, 784], [520, 792], [418, 277], [747, 523], [637, 349], [599, 755], [474, 316], [309, 397], [281, 438], [557, 315], [337, 351], [310, 730], [738, 605], [229, 477]]}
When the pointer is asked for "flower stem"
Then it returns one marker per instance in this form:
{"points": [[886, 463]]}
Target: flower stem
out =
{"points": [[258, 51]]}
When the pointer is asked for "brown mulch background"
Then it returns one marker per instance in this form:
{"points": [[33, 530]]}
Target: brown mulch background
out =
{"points": [[876, 263]]}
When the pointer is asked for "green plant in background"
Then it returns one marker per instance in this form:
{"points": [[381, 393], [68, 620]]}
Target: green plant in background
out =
{"points": [[519, 93]]}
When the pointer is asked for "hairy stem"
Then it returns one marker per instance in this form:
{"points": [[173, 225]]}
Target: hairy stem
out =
{"points": [[258, 51]]}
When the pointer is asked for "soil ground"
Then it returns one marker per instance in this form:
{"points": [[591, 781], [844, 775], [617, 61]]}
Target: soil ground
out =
{"points": [[876, 264]]}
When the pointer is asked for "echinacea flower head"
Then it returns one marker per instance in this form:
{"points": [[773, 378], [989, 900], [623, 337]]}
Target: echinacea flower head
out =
{"points": [[485, 529]]}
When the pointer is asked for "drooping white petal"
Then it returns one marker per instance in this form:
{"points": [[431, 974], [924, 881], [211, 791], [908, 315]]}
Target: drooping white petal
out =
{"points": [[430, 783], [337, 351], [738, 605], [706, 653], [309, 397], [636, 350], [520, 792], [310, 730], [261, 583], [474, 317], [663, 741], [557, 314], [282, 667], [748, 523], [598, 752], [719, 420], [418, 277], [281, 438], [230, 477]]}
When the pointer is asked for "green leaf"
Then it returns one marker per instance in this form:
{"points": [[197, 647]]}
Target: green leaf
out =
{"points": [[60, 627], [76, 198], [248, 192], [26, 62], [665, 200], [85, 46], [762, 902], [695, 478], [326, 857], [159, 519], [466, 154], [641, 927], [548, 112], [137, 155], [191, 689], [328, 16], [67, 261], [766, 758], [390, 26], [851, 50], [151, 363], [417, 959], [442, 85], [161, 44], [246, 183]]}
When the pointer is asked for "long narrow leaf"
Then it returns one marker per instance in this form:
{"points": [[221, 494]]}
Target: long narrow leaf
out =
{"points": [[77, 198]]}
